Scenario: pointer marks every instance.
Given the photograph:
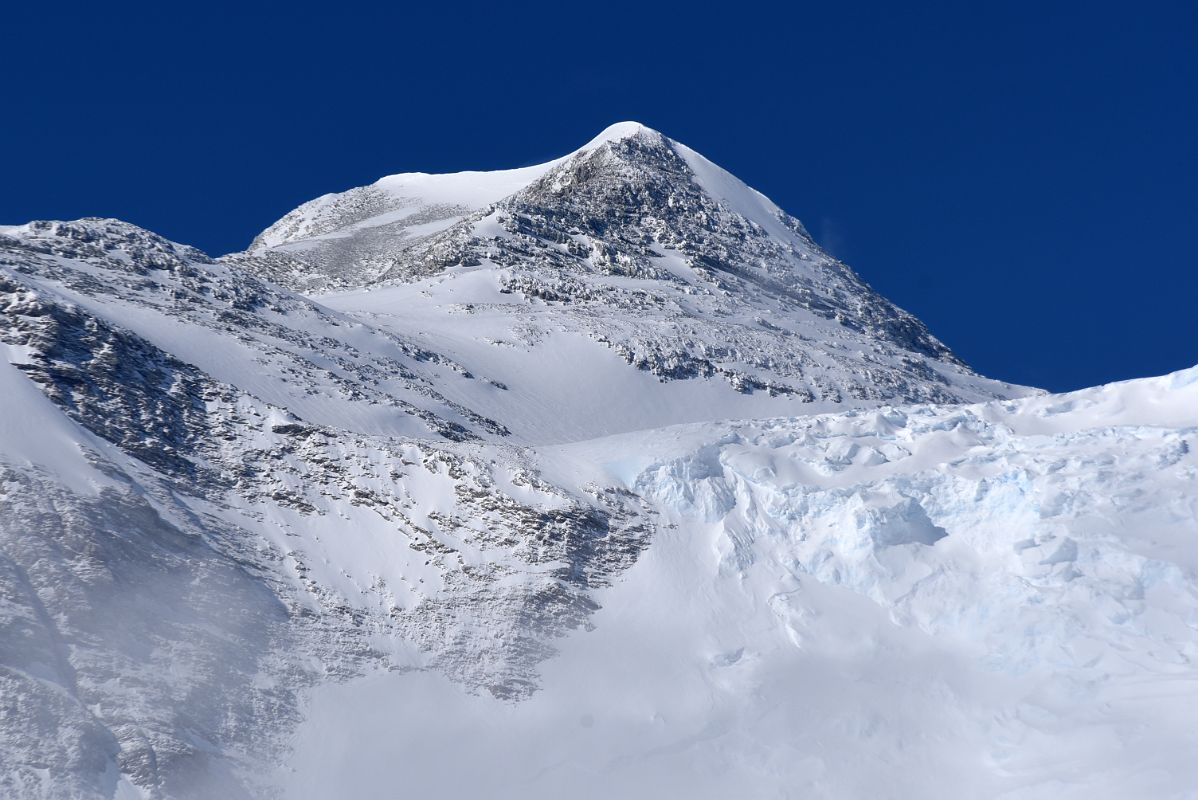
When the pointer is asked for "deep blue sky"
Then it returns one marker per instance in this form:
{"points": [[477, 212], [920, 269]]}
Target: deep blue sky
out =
{"points": [[1024, 177]]}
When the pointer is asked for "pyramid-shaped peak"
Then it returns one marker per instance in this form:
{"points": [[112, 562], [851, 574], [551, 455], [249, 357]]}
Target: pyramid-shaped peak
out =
{"points": [[620, 131]]}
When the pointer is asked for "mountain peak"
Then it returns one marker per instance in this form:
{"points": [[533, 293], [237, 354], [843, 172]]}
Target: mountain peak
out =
{"points": [[419, 201], [620, 131], [628, 219]]}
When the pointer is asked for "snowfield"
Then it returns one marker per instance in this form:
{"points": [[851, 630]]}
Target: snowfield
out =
{"points": [[592, 479], [981, 601]]}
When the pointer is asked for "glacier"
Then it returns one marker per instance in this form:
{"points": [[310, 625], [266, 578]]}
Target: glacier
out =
{"points": [[976, 601]]}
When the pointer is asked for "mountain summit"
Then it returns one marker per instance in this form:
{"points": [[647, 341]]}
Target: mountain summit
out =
{"points": [[633, 247], [414, 200]]}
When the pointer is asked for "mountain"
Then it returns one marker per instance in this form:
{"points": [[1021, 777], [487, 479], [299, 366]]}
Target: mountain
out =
{"points": [[593, 478], [632, 251]]}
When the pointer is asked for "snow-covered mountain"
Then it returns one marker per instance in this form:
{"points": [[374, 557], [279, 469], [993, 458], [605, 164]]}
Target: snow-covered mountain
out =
{"points": [[632, 251], [594, 478]]}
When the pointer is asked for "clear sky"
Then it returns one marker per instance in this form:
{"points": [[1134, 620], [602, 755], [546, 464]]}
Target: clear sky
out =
{"points": [[1022, 176]]}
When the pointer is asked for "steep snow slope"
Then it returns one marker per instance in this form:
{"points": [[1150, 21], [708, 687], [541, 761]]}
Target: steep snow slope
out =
{"points": [[558, 372], [985, 601]]}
